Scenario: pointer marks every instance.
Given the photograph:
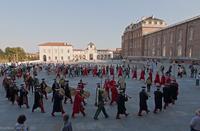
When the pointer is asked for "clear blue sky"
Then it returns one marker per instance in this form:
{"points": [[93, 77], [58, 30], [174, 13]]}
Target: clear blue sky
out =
{"points": [[27, 23]]}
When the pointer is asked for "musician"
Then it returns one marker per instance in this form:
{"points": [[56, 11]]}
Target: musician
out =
{"points": [[174, 90], [114, 93], [38, 101], [54, 87], [121, 109], [13, 92], [67, 92], [166, 95], [158, 95], [143, 101], [77, 106], [157, 78], [57, 102], [100, 104], [43, 87], [23, 98], [107, 88]]}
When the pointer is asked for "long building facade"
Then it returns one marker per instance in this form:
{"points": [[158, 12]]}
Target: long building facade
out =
{"points": [[156, 39], [64, 52]]}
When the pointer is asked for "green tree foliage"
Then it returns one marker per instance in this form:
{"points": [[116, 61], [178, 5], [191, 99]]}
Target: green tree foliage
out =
{"points": [[15, 54]]}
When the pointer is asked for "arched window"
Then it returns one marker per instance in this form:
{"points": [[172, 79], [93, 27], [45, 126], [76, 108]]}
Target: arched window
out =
{"points": [[190, 52], [179, 50], [164, 51]]}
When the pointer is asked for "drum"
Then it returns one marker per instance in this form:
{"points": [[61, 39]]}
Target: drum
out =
{"points": [[48, 89], [62, 91], [86, 94]]}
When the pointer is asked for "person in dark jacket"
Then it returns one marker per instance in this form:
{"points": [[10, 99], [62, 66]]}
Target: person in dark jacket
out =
{"points": [[167, 95], [67, 92], [43, 87], [23, 98], [143, 101], [158, 95], [38, 102], [121, 109], [174, 90], [54, 87], [13, 92], [57, 103]]}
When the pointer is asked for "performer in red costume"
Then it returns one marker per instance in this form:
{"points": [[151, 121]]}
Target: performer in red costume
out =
{"points": [[162, 81], [103, 71], [77, 106], [112, 71], [114, 91], [134, 73], [120, 71], [142, 75], [95, 71], [157, 78]]}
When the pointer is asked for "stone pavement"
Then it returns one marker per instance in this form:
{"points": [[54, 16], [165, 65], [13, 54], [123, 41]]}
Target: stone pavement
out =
{"points": [[175, 118]]}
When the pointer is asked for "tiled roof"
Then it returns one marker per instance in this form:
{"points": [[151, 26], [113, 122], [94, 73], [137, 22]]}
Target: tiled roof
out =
{"points": [[77, 49], [55, 44]]}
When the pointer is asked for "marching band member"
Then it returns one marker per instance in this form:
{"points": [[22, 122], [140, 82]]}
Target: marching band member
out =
{"points": [[38, 101], [121, 109], [100, 103], [23, 98], [43, 87], [57, 102], [77, 106]]}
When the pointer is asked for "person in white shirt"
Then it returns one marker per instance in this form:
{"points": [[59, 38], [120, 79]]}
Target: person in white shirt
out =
{"points": [[195, 122]]}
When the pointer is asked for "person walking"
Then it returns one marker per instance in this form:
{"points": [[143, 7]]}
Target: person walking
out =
{"points": [[67, 124], [195, 122]]}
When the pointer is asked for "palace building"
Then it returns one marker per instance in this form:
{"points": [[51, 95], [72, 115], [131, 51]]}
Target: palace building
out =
{"points": [[64, 52], [151, 37]]}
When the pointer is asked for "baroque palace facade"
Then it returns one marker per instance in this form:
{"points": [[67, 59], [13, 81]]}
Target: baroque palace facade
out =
{"points": [[151, 37], [63, 52]]}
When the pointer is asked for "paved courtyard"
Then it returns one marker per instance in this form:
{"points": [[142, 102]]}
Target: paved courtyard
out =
{"points": [[175, 118]]}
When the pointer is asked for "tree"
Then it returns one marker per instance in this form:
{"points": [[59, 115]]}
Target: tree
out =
{"points": [[15, 54]]}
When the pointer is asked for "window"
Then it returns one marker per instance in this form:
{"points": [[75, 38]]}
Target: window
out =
{"points": [[171, 37], [179, 50], [68, 57], [164, 51], [170, 52], [180, 36], [67, 51], [61, 51], [56, 58], [153, 51], [61, 57], [49, 58], [150, 22], [191, 33]]}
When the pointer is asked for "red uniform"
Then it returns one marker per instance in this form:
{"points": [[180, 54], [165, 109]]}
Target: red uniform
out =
{"points": [[157, 79], [134, 72], [142, 75], [114, 92], [151, 76], [120, 72], [95, 71], [111, 71], [162, 82], [77, 106]]}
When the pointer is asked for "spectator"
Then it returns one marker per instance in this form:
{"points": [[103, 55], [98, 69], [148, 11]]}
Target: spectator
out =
{"points": [[20, 126], [67, 124], [195, 122]]}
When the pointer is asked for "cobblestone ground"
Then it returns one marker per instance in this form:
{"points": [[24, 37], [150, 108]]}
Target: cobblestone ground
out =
{"points": [[175, 118]]}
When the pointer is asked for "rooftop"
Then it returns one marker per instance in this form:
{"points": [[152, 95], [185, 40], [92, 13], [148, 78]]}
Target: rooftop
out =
{"points": [[55, 44]]}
